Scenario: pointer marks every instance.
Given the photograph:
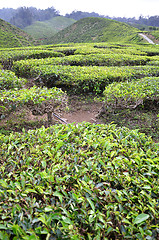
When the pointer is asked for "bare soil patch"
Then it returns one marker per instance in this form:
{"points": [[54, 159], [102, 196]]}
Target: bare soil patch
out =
{"points": [[82, 110]]}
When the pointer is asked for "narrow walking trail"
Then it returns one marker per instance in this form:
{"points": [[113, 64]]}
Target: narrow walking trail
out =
{"points": [[146, 38]]}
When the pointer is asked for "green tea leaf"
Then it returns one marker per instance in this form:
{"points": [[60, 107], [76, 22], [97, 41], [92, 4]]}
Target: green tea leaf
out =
{"points": [[59, 195], [3, 227], [141, 218], [67, 220], [91, 203]]}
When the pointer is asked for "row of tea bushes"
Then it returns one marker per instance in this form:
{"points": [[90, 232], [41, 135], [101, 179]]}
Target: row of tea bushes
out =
{"points": [[90, 60], [7, 57], [84, 79], [105, 48], [27, 54], [81, 181], [131, 94], [76, 49], [131, 49]]}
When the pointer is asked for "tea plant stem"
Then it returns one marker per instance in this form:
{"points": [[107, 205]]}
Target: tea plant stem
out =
{"points": [[49, 118]]}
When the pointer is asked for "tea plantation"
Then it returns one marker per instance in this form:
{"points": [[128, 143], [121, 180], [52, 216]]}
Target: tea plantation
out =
{"points": [[80, 181], [11, 36]]}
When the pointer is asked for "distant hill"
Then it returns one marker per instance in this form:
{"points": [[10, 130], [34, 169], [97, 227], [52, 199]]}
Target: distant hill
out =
{"points": [[96, 30], [11, 36], [45, 29]]}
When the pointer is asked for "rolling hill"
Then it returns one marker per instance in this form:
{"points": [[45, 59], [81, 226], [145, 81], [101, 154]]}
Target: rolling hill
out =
{"points": [[45, 29], [11, 36], [96, 30]]}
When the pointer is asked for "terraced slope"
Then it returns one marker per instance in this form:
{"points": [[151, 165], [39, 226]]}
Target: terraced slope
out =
{"points": [[42, 30], [96, 30], [11, 36]]}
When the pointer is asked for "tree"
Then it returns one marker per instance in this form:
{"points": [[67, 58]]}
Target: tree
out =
{"points": [[22, 18], [7, 13], [77, 15], [25, 16]]}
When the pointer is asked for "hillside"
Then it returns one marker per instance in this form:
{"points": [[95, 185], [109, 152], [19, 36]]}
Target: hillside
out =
{"points": [[45, 29], [154, 35], [11, 36], [96, 30]]}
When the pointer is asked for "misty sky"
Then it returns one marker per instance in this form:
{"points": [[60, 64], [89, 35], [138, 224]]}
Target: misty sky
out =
{"points": [[117, 8]]}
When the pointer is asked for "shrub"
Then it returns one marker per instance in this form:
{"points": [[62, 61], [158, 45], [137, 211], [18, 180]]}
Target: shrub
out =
{"points": [[131, 94], [38, 100], [79, 181], [8, 80]]}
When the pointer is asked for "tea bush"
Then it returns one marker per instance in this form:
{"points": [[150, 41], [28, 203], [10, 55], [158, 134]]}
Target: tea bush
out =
{"points": [[7, 57], [8, 80], [131, 94], [24, 53], [81, 181], [38, 100]]}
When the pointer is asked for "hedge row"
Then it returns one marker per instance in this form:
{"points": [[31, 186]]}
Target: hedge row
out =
{"points": [[38, 100], [85, 79], [89, 60], [7, 57]]}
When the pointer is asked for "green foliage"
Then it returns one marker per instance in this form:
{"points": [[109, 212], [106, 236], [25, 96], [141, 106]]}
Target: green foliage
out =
{"points": [[8, 80], [79, 181], [45, 29], [89, 67], [111, 59], [131, 94], [10, 36], [8, 56], [84, 79], [155, 34], [96, 30], [82, 181], [35, 94], [39, 100]]}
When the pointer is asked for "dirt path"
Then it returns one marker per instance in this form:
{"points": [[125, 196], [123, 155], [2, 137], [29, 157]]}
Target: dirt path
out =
{"points": [[146, 38], [82, 116], [80, 111]]}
